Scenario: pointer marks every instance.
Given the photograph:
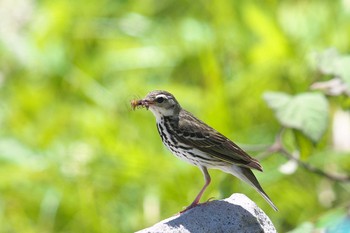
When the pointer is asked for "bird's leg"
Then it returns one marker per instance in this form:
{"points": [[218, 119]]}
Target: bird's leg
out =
{"points": [[198, 197]]}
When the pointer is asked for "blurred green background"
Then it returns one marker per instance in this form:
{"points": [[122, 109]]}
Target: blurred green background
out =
{"points": [[74, 157]]}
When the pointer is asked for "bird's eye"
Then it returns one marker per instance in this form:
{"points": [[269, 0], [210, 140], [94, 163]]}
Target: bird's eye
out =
{"points": [[160, 99]]}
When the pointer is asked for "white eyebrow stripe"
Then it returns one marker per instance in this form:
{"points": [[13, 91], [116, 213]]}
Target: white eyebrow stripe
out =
{"points": [[162, 95]]}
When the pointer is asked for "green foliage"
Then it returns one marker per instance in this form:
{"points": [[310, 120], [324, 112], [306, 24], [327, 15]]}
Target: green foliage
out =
{"points": [[74, 157], [333, 222], [307, 112], [332, 63]]}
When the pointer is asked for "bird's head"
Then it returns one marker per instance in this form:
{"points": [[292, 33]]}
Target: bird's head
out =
{"points": [[161, 103]]}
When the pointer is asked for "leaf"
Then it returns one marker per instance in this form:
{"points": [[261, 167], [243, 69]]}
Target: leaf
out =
{"points": [[307, 112], [331, 62], [335, 221], [342, 69], [305, 146], [277, 100]]}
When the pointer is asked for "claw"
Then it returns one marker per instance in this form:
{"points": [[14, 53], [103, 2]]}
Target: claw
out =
{"points": [[209, 200]]}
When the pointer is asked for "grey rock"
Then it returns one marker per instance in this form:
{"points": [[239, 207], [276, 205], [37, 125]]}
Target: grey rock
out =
{"points": [[234, 214]]}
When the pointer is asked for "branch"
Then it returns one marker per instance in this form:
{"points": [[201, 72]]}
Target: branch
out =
{"points": [[279, 147]]}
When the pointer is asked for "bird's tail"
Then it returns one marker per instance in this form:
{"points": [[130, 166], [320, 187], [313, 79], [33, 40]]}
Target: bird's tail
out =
{"points": [[246, 175]]}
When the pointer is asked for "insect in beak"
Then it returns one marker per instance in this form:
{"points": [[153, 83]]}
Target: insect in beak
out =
{"points": [[139, 104]]}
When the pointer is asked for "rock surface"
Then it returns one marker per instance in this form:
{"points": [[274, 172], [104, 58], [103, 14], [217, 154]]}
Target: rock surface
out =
{"points": [[234, 214]]}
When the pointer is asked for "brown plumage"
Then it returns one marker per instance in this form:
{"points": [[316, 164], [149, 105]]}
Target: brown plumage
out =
{"points": [[199, 144], [211, 141]]}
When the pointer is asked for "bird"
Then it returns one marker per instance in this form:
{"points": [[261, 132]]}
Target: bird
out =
{"points": [[195, 142]]}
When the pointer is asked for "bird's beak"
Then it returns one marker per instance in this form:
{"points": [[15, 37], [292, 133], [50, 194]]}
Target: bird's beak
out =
{"points": [[144, 103]]}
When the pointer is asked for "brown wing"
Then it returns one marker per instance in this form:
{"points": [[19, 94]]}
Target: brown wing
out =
{"points": [[196, 133]]}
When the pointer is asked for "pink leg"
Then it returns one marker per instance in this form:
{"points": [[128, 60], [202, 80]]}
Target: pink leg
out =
{"points": [[197, 199]]}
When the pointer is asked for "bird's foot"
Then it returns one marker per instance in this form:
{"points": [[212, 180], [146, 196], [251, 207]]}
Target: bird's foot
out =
{"points": [[189, 207], [194, 204]]}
